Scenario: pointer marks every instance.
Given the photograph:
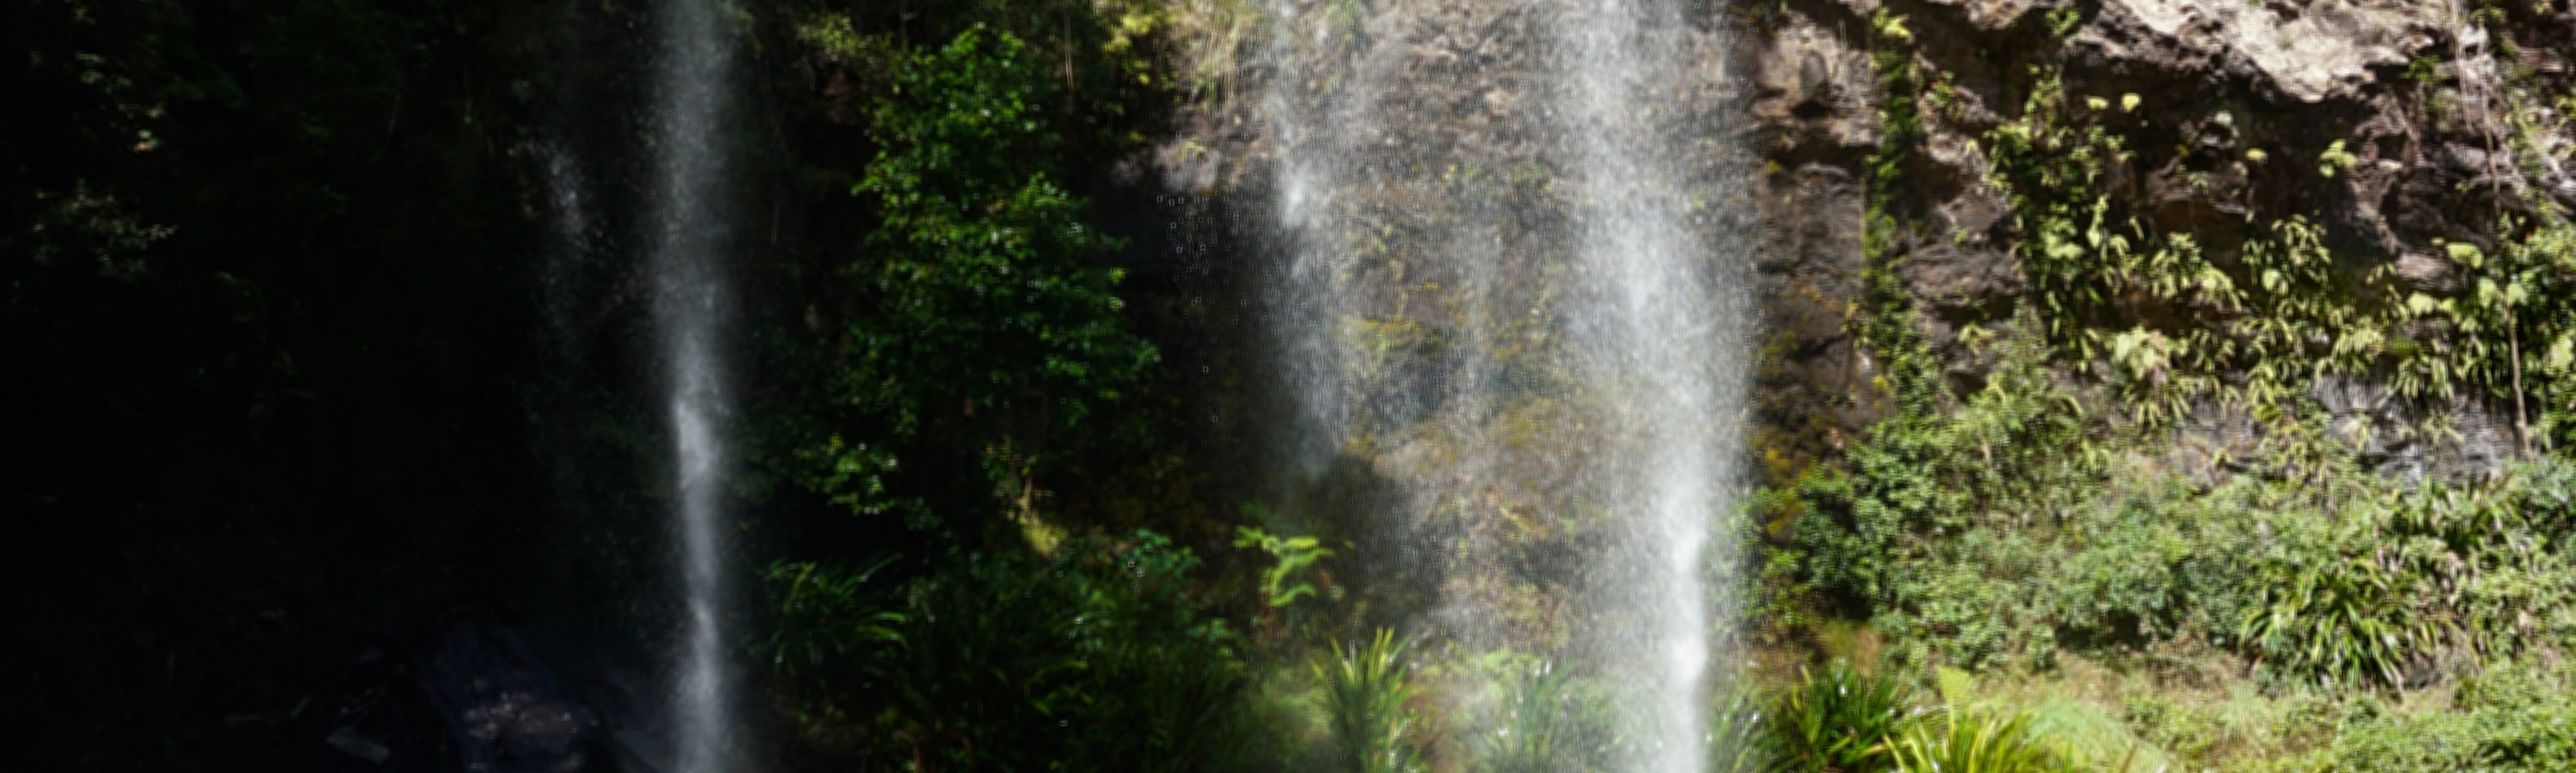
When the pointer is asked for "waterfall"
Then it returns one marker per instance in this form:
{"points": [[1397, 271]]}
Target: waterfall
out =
{"points": [[1654, 335], [687, 241], [1509, 286]]}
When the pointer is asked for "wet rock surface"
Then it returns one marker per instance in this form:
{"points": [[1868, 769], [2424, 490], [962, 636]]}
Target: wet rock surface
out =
{"points": [[2291, 52], [2230, 109], [505, 709]]}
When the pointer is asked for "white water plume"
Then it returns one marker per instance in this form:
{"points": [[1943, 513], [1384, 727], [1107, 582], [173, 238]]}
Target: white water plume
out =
{"points": [[1508, 286]]}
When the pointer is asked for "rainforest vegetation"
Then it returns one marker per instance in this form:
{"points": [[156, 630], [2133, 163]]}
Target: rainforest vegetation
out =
{"points": [[292, 403]]}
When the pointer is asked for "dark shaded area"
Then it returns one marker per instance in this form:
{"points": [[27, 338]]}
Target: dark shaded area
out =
{"points": [[267, 280], [343, 425]]}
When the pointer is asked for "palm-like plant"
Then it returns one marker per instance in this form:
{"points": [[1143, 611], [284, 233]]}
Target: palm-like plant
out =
{"points": [[1977, 742], [1736, 740], [1546, 725], [1364, 702], [1842, 720], [2346, 621], [832, 618]]}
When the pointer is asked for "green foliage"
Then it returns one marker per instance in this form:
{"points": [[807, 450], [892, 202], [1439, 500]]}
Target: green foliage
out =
{"points": [[2000, 555], [1290, 556], [1548, 722], [971, 356], [2273, 306], [832, 618], [983, 315], [1207, 36], [1969, 558], [1920, 527], [2510, 718], [2081, 733], [1892, 59], [2064, 20], [1738, 730], [1843, 720], [1098, 659], [1849, 722], [2499, 558], [2425, 70], [2136, 531], [2353, 582], [2335, 160], [2512, 333], [2201, 734], [1993, 527], [2341, 619], [1365, 700], [2442, 577], [1116, 58], [92, 228], [1975, 742]]}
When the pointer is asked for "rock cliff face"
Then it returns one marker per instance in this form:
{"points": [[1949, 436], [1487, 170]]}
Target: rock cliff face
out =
{"points": [[2234, 106], [2397, 127]]}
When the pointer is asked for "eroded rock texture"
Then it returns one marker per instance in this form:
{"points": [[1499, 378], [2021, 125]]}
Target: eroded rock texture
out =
{"points": [[2235, 105]]}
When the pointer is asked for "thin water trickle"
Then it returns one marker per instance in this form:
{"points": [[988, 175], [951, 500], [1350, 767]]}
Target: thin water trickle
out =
{"points": [[688, 239]]}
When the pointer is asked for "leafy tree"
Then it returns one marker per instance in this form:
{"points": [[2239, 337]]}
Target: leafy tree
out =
{"points": [[987, 333]]}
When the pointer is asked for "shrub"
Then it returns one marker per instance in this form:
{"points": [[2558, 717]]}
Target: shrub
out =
{"points": [[2343, 579], [1937, 526], [834, 625], [1841, 720], [1364, 700], [1548, 721], [2336, 619], [1961, 741], [1097, 658], [2510, 718], [2400, 586], [1736, 732]]}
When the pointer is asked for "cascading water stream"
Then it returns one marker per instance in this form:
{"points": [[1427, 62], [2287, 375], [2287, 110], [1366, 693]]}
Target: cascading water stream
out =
{"points": [[687, 245], [1653, 335], [1509, 288]]}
